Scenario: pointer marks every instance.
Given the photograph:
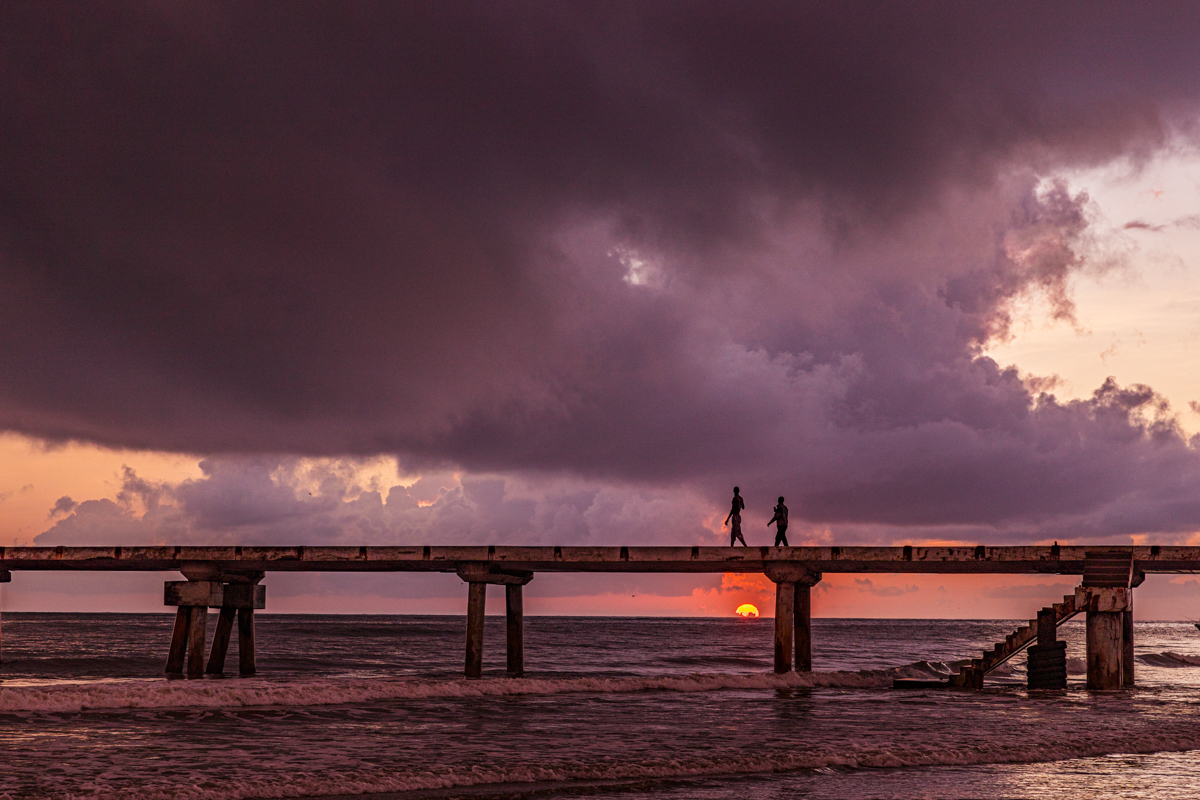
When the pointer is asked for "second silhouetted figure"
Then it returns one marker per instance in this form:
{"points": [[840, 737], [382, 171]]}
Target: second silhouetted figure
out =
{"points": [[780, 522], [735, 514]]}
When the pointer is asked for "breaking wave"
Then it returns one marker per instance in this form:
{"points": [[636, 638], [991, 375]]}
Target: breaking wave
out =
{"points": [[1169, 660], [260, 693]]}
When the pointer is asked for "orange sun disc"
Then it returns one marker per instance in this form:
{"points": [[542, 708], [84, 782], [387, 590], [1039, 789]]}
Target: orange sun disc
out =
{"points": [[746, 610]]}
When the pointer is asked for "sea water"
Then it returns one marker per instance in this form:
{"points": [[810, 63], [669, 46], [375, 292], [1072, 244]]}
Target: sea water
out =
{"points": [[611, 708]]}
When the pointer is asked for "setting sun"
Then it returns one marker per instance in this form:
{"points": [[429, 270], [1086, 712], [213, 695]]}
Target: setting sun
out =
{"points": [[747, 610]]}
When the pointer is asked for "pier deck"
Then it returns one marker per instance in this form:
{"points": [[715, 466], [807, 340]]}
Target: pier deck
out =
{"points": [[1059, 560]]}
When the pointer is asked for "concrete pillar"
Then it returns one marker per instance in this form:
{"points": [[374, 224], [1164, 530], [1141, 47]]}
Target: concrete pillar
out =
{"points": [[220, 642], [802, 608], [196, 630], [476, 599], [478, 577], [5, 577], [246, 662], [178, 652], [1105, 667], [785, 599], [514, 608], [1127, 646]]}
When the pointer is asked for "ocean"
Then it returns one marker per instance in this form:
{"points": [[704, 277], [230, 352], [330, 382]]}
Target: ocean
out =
{"points": [[611, 708]]}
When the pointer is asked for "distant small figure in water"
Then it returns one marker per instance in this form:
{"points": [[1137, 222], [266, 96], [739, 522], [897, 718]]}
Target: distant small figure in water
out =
{"points": [[780, 522], [735, 514]]}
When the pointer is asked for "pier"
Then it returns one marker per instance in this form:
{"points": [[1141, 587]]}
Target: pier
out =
{"points": [[230, 579]]}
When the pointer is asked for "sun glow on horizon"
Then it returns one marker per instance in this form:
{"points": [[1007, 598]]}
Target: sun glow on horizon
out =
{"points": [[747, 610]]}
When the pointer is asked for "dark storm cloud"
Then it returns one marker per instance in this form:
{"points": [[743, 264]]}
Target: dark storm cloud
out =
{"points": [[665, 244]]}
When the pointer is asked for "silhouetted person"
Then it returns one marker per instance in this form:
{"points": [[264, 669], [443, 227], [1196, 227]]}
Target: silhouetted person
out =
{"points": [[735, 514], [780, 522]]}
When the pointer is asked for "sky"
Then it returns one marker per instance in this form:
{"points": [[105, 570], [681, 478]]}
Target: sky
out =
{"points": [[527, 273]]}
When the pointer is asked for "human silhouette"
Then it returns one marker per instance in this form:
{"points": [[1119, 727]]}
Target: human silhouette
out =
{"points": [[735, 514], [780, 521]]}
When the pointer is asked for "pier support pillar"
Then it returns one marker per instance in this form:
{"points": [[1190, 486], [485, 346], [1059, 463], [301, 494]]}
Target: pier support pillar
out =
{"points": [[793, 614], [1047, 666], [478, 576], [5, 577], [515, 614], [476, 600], [193, 599], [1127, 646], [1105, 665], [247, 666], [1106, 646], [785, 609], [220, 642], [802, 609]]}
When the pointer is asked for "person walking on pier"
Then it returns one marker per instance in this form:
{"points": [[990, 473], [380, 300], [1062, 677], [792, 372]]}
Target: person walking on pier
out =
{"points": [[735, 514], [780, 520]]}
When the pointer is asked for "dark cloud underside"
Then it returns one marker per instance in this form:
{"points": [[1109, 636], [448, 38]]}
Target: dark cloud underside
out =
{"points": [[659, 244]]}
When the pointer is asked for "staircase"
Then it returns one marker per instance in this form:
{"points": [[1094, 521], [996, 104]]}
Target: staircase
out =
{"points": [[971, 675]]}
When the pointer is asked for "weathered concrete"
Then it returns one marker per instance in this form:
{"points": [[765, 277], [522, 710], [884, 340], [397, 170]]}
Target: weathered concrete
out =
{"points": [[515, 618], [1047, 665], [5, 577], [195, 643], [225, 563], [220, 642], [246, 658], [785, 598], [802, 629], [1127, 647], [1105, 664], [476, 600]]}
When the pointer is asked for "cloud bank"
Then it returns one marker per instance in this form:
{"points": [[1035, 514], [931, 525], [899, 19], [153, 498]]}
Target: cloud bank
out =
{"points": [[648, 250]]}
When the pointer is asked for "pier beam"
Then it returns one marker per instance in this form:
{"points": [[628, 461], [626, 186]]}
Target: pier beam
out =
{"points": [[793, 614], [478, 576]]}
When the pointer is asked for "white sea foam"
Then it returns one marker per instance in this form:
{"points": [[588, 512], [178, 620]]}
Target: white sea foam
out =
{"points": [[259, 693]]}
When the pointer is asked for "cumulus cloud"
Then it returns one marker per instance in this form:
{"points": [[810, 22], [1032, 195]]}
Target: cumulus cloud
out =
{"points": [[600, 262]]}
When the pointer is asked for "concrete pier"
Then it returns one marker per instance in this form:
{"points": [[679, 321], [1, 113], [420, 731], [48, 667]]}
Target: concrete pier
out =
{"points": [[226, 578]]}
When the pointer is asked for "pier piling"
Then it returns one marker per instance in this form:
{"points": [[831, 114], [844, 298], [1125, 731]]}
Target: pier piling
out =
{"points": [[194, 598], [793, 614], [515, 615], [220, 642], [478, 577], [785, 609], [476, 601], [5, 577], [246, 663]]}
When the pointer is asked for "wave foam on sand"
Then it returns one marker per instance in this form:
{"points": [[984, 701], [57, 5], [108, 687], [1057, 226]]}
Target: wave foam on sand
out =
{"points": [[259, 693]]}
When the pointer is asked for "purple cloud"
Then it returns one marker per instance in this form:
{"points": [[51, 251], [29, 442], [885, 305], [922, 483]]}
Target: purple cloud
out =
{"points": [[652, 246]]}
